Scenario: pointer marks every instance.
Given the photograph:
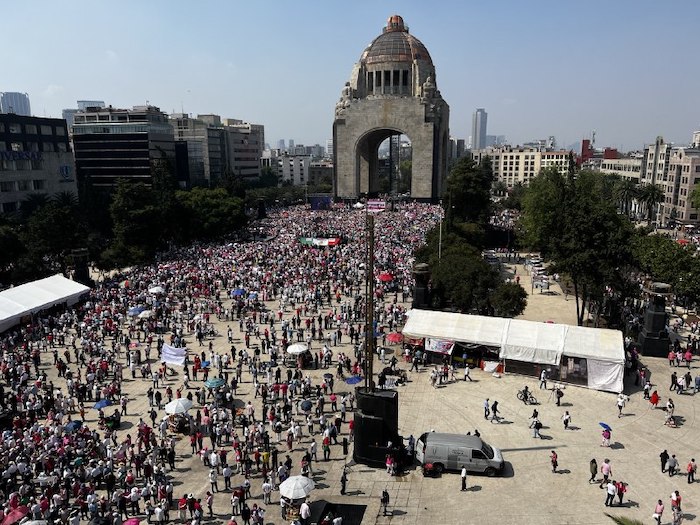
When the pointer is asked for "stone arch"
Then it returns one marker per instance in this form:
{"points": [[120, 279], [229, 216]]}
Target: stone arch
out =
{"points": [[366, 150]]}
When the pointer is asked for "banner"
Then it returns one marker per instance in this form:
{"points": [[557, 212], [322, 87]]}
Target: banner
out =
{"points": [[375, 205], [173, 355], [317, 241], [439, 346]]}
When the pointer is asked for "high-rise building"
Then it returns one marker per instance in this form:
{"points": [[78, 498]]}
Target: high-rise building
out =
{"points": [[244, 147], [280, 145], [290, 144], [17, 103], [35, 157], [329, 148], [112, 144], [479, 129], [69, 113]]}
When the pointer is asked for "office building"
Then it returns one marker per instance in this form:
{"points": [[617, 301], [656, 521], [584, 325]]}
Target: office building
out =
{"points": [[35, 157], [17, 103], [329, 149], [627, 168], [513, 165], [655, 165], [69, 113], [244, 147], [112, 144], [293, 169], [479, 129], [205, 145]]}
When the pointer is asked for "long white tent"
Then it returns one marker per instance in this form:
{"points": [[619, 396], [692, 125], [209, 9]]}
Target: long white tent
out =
{"points": [[33, 297], [530, 341]]}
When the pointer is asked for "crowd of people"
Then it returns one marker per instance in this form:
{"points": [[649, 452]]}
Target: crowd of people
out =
{"points": [[62, 464]]}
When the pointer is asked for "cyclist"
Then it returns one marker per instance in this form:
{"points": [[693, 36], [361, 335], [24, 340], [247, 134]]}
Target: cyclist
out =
{"points": [[526, 394]]}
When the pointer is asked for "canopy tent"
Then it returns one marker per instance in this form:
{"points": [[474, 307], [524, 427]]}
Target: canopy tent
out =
{"points": [[531, 342], [33, 297]]}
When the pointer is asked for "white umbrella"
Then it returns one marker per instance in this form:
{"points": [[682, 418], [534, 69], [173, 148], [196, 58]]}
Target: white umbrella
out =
{"points": [[156, 290], [296, 487], [297, 349], [146, 314], [178, 406], [358, 205]]}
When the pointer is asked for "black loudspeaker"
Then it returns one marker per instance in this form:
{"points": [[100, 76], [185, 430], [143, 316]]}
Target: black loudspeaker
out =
{"points": [[421, 290], [376, 425]]}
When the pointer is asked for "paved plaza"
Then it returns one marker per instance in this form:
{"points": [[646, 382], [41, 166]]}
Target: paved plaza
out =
{"points": [[528, 492]]}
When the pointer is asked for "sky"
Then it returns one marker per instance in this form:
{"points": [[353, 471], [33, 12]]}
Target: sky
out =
{"points": [[623, 68]]}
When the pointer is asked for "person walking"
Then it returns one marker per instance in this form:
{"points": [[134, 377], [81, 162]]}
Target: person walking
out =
{"points": [[593, 467], [464, 478], [554, 459], [621, 489], [621, 399], [671, 465], [664, 459], [466, 373], [486, 408], [543, 379], [691, 469], [606, 470], [658, 512], [385, 501], [494, 412], [611, 490], [566, 418], [533, 417]]}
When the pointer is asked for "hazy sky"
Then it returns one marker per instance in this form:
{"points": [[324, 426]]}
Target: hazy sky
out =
{"points": [[625, 68]]}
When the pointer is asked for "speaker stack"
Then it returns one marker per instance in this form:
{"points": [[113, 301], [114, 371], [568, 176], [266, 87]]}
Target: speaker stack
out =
{"points": [[376, 425]]}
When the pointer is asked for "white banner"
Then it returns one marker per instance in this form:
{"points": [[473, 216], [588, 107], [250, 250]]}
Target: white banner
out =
{"points": [[173, 355], [439, 345]]}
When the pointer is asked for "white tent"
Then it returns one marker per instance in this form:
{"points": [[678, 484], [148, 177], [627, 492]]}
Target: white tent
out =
{"points": [[33, 297], [531, 342]]}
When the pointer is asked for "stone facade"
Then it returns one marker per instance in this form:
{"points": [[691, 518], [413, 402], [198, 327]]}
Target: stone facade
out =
{"points": [[391, 91]]}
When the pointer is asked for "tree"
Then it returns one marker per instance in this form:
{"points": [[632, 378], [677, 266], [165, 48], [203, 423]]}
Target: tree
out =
{"points": [[135, 217], [499, 188], [209, 213], [509, 300], [573, 222], [625, 192], [650, 195], [468, 191], [32, 203], [514, 200], [695, 198]]}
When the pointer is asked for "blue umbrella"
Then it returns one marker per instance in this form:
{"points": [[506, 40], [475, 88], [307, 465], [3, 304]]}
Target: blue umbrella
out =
{"points": [[73, 426], [238, 292], [102, 403], [605, 426], [253, 295], [215, 382], [205, 364], [353, 380], [306, 405], [136, 310]]}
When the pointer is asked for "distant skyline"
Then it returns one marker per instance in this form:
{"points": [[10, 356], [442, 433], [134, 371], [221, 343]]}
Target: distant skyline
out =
{"points": [[540, 68]]}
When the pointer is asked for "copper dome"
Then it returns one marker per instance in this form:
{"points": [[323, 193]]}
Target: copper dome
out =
{"points": [[395, 44]]}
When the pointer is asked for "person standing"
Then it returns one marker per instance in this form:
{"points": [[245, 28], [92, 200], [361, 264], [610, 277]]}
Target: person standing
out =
{"points": [[554, 459], [486, 408], [610, 490], [385, 501], [593, 466], [566, 418], [464, 478], [691, 470], [658, 512], [543, 379], [343, 482], [664, 459]]}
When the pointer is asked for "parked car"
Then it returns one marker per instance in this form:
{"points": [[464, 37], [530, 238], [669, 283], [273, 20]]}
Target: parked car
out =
{"points": [[451, 451]]}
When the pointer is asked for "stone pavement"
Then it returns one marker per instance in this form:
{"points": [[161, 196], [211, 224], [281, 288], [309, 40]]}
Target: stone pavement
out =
{"points": [[529, 492]]}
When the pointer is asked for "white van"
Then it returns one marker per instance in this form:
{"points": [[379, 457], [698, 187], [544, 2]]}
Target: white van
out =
{"points": [[451, 451]]}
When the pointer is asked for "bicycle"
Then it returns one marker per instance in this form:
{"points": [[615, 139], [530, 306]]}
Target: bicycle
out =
{"points": [[529, 400]]}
